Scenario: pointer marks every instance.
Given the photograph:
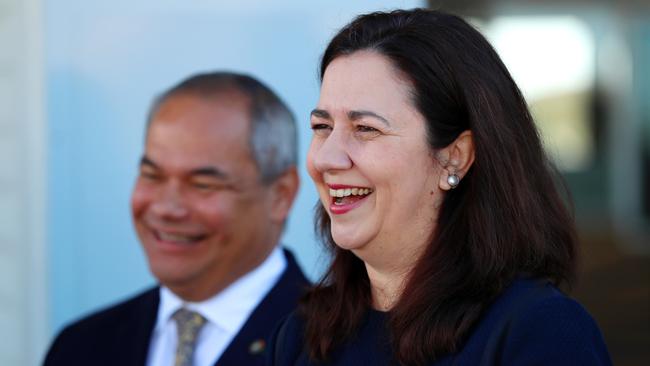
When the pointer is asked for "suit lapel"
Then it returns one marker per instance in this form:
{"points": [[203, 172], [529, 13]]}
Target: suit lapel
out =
{"points": [[280, 301], [135, 332]]}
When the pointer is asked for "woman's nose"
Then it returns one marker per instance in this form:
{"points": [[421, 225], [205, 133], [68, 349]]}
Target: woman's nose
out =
{"points": [[332, 154]]}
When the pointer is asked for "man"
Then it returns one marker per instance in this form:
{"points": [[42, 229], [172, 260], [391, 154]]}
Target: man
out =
{"points": [[216, 183]]}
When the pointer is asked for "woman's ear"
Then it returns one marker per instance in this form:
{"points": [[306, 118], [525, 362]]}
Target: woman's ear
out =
{"points": [[459, 157]]}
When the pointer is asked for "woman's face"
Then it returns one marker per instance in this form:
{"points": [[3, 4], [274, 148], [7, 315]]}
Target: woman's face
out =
{"points": [[369, 158]]}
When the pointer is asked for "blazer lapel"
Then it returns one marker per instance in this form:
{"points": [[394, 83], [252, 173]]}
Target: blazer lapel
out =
{"points": [[247, 348], [137, 328]]}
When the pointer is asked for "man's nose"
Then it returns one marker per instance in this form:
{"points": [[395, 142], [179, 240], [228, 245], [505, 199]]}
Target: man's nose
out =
{"points": [[169, 203], [333, 153]]}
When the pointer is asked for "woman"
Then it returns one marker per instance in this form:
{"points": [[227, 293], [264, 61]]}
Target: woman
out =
{"points": [[448, 233]]}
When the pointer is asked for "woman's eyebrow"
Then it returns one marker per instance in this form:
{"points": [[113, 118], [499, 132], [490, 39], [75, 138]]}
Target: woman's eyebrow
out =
{"points": [[355, 115], [320, 113]]}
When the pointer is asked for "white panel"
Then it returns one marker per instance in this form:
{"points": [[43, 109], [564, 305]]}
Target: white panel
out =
{"points": [[23, 305]]}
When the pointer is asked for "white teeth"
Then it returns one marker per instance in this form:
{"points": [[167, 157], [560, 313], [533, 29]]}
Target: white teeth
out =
{"points": [[176, 238], [349, 192]]}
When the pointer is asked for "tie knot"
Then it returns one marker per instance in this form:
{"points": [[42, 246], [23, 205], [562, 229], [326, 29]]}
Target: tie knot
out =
{"points": [[188, 319], [189, 323]]}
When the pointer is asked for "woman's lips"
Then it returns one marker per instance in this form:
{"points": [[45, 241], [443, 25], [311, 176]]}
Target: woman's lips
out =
{"points": [[341, 208], [345, 198]]}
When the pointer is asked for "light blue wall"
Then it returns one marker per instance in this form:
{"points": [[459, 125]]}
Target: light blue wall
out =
{"points": [[104, 63]]}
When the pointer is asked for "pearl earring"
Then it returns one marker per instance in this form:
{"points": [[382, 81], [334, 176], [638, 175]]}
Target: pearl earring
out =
{"points": [[453, 180]]}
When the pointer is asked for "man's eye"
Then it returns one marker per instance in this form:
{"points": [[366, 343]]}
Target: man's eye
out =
{"points": [[204, 186], [149, 175], [209, 186]]}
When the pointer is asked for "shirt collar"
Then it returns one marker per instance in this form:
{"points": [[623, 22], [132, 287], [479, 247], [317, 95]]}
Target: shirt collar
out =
{"points": [[231, 307]]}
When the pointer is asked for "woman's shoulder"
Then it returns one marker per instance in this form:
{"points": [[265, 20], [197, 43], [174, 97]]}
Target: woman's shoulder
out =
{"points": [[532, 322], [539, 303], [555, 327]]}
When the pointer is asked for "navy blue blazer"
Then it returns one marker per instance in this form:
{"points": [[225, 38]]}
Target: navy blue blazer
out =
{"points": [[530, 323], [120, 335]]}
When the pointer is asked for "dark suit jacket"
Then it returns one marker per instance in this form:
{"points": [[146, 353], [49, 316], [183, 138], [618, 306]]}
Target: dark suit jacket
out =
{"points": [[120, 335]]}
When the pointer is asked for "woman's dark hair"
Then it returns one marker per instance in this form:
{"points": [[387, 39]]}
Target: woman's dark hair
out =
{"points": [[506, 219]]}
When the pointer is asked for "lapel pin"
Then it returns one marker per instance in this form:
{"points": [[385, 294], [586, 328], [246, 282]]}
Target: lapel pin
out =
{"points": [[257, 347]]}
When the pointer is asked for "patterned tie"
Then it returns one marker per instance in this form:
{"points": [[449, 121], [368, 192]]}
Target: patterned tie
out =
{"points": [[189, 323]]}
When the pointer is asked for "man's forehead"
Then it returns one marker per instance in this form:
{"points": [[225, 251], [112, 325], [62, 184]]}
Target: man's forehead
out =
{"points": [[184, 148], [194, 131], [221, 113], [196, 145]]}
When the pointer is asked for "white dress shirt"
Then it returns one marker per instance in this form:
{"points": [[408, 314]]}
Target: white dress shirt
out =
{"points": [[225, 312]]}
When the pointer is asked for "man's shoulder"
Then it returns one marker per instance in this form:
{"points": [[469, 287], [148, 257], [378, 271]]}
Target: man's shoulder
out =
{"points": [[115, 314], [286, 340], [101, 332], [291, 285], [293, 273], [284, 295], [281, 300]]}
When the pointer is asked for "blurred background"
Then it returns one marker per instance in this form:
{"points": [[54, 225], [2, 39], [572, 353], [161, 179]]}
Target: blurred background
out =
{"points": [[77, 77]]}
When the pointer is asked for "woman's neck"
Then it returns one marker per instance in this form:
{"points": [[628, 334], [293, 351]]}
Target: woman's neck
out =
{"points": [[386, 287], [388, 266], [387, 280]]}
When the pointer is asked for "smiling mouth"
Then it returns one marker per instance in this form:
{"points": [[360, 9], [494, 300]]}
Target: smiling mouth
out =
{"points": [[179, 239], [345, 196]]}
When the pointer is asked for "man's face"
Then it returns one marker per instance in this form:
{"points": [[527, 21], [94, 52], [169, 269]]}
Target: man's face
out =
{"points": [[199, 208]]}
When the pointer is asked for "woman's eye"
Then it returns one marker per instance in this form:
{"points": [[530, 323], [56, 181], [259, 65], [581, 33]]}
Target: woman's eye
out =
{"points": [[321, 129], [319, 126], [363, 128]]}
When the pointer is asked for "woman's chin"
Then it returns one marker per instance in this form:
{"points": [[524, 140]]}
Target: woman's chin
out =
{"points": [[347, 241]]}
